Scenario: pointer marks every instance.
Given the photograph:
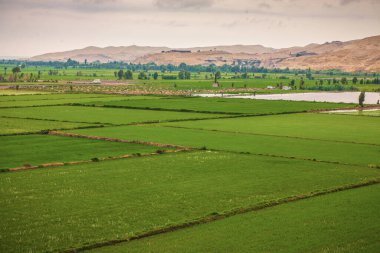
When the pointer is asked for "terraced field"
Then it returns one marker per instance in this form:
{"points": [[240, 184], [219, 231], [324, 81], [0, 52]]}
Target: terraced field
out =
{"points": [[172, 174]]}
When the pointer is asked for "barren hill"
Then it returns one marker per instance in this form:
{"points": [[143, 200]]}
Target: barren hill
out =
{"points": [[356, 55], [105, 54]]}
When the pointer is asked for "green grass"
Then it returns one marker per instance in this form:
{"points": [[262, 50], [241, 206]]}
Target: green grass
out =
{"points": [[258, 144], [38, 149], [240, 106], [346, 221], [88, 203], [99, 114], [308, 125], [17, 126]]}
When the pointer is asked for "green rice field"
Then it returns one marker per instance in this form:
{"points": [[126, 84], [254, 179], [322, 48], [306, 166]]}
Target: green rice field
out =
{"points": [[116, 173]]}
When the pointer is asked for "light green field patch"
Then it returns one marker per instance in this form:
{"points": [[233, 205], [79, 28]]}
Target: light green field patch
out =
{"points": [[100, 114], [307, 125]]}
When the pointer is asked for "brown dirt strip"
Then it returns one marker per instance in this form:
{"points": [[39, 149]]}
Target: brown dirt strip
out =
{"points": [[374, 166], [155, 144], [215, 217]]}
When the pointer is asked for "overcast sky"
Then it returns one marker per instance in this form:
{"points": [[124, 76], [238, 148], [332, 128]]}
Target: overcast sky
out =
{"points": [[31, 27]]}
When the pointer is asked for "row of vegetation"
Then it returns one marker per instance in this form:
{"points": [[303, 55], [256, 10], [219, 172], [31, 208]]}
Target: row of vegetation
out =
{"points": [[212, 68]]}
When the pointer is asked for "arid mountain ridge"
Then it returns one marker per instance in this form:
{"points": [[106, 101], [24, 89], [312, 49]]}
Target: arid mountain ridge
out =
{"points": [[355, 55]]}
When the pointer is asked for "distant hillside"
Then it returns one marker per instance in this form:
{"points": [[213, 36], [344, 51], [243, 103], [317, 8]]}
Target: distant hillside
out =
{"points": [[106, 54], [356, 55]]}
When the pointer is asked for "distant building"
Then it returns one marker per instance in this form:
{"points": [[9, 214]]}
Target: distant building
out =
{"points": [[270, 87], [177, 51], [286, 88]]}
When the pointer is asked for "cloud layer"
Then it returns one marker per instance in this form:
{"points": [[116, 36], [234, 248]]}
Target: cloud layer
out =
{"points": [[38, 26]]}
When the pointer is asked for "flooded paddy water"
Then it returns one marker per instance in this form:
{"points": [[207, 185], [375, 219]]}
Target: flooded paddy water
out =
{"points": [[333, 97]]}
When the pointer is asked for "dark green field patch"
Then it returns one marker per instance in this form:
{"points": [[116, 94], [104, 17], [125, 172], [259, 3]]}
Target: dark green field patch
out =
{"points": [[76, 205], [39, 149]]}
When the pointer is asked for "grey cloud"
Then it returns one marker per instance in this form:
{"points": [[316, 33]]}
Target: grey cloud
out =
{"points": [[346, 2], [183, 4], [71, 5]]}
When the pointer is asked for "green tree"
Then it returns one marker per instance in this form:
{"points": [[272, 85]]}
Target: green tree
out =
{"points": [[142, 76], [302, 84], [120, 74], [155, 75], [128, 75], [245, 75], [361, 98], [217, 76], [308, 74], [181, 75], [354, 80], [16, 70]]}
